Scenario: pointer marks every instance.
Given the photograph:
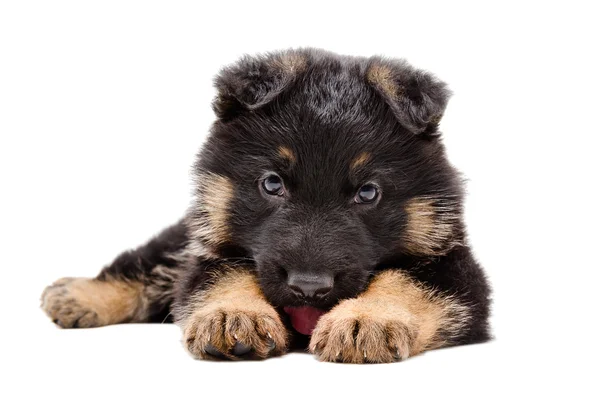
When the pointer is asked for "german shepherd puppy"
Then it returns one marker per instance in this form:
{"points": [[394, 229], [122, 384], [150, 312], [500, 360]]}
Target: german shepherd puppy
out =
{"points": [[324, 206]]}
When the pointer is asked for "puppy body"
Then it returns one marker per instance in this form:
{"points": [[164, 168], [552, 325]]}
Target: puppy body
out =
{"points": [[324, 200]]}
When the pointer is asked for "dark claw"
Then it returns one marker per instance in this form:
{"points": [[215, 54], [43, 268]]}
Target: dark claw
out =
{"points": [[397, 356], [210, 349], [239, 349]]}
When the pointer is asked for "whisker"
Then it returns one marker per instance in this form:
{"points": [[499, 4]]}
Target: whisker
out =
{"points": [[167, 316]]}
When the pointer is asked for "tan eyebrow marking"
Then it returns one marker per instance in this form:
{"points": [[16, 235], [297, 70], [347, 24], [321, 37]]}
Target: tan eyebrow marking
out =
{"points": [[360, 160], [287, 154]]}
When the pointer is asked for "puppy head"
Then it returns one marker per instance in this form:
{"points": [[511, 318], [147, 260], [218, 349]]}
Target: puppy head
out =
{"points": [[320, 167]]}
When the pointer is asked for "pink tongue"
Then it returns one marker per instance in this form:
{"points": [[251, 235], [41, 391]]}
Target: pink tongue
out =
{"points": [[304, 318]]}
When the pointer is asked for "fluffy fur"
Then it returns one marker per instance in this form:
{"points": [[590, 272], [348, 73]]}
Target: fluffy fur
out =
{"points": [[404, 278]]}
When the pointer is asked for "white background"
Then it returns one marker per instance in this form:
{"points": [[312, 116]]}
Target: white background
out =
{"points": [[103, 106]]}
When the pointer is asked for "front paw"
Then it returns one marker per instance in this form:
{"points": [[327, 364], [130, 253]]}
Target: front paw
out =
{"points": [[233, 332], [66, 304], [356, 332]]}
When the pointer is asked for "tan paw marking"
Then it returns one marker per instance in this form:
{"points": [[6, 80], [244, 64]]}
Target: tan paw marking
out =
{"points": [[232, 311], [222, 327], [354, 333], [394, 318], [85, 303]]}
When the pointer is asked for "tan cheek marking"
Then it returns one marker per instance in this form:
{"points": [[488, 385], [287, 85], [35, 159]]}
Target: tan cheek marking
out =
{"points": [[382, 77], [286, 154], [429, 228], [360, 160], [210, 222]]}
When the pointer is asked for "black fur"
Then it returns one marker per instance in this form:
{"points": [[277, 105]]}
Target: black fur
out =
{"points": [[327, 110]]}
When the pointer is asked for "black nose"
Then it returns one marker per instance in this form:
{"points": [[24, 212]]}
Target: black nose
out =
{"points": [[310, 285]]}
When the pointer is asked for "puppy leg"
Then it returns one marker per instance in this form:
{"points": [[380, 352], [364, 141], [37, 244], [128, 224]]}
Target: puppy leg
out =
{"points": [[395, 318], [136, 287], [230, 318]]}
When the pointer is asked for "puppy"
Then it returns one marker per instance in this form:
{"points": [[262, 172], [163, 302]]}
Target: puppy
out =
{"points": [[324, 206]]}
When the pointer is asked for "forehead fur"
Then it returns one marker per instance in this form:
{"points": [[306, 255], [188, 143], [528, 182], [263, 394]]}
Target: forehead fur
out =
{"points": [[329, 120]]}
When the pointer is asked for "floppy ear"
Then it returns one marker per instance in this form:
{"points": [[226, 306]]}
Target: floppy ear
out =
{"points": [[417, 98], [254, 81]]}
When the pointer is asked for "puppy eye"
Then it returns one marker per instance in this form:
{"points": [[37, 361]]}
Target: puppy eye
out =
{"points": [[273, 185], [367, 194]]}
